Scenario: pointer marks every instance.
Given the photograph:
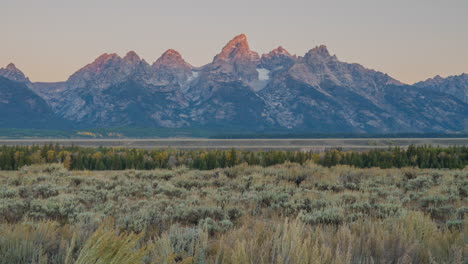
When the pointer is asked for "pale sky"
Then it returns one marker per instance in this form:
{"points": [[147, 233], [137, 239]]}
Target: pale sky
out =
{"points": [[411, 40]]}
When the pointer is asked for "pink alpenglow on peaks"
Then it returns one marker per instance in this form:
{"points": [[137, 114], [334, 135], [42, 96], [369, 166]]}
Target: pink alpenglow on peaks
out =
{"points": [[172, 68], [132, 57], [171, 58], [236, 49]]}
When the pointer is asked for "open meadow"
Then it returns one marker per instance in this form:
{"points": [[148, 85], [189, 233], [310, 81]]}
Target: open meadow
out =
{"points": [[286, 213], [317, 145]]}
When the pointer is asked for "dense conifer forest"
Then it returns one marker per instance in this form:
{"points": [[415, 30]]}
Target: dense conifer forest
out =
{"points": [[105, 158]]}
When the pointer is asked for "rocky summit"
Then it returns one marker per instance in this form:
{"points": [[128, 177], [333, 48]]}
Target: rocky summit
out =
{"points": [[239, 89]]}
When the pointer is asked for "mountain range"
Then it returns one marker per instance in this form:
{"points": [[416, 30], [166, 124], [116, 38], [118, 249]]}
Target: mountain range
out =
{"points": [[239, 89]]}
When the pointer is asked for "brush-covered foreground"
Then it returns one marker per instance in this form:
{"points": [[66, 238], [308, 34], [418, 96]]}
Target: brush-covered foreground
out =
{"points": [[287, 213]]}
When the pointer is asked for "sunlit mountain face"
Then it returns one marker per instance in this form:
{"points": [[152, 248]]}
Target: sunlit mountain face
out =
{"points": [[239, 89]]}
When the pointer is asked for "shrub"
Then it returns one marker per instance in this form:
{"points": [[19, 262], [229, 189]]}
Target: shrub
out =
{"points": [[53, 169], [211, 226], [76, 181], [44, 191], [193, 215], [462, 212], [419, 183], [349, 198], [330, 216], [170, 190], [12, 210], [325, 186], [234, 213], [6, 192], [61, 208], [190, 216], [189, 184], [455, 225], [182, 245], [387, 210]]}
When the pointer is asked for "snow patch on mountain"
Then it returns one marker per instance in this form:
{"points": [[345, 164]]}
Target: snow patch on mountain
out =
{"points": [[263, 74]]}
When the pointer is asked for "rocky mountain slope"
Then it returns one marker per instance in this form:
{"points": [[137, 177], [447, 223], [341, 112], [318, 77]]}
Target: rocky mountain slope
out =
{"points": [[12, 73], [241, 89], [454, 85], [20, 107]]}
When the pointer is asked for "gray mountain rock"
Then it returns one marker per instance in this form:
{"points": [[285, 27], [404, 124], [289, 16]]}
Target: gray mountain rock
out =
{"points": [[453, 85], [241, 90], [21, 107], [14, 74]]}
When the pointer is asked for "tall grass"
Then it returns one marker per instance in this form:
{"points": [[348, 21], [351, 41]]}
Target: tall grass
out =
{"points": [[37, 243], [108, 247], [413, 238]]}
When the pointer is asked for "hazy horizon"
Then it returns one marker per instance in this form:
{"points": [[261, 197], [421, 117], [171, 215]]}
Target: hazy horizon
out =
{"points": [[51, 39]]}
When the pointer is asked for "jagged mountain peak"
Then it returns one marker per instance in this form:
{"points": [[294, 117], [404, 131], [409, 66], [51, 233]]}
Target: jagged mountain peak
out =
{"points": [[276, 59], [436, 78], [106, 57], [11, 67], [240, 39], [108, 69], [456, 85], [13, 73], [314, 92], [321, 51], [171, 58], [132, 57], [103, 61], [280, 51], [439, 79], [237, 48], [171, 68], [171, 53]]}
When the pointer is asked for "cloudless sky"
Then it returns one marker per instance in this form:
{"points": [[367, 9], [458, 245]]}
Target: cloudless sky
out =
{"points": [[410, 40]]}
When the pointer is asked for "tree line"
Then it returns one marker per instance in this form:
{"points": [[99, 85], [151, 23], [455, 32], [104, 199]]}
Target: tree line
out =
{"points": [[106, 158], [424, 156]]}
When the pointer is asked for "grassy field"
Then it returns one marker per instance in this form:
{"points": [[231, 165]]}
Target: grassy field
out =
{"points": [[246, 144], [286, 213]]}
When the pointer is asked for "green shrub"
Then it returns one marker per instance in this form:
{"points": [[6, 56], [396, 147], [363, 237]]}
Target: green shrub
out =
{"points": [[44, 191], [329, 216], [187, 242], [12, 210], [211, 226], [387, 210], [456, 225], [170, 190], [193, 215], [419, 183], [234, 213], [325, 186], [462, 212], [6, 192], [61, 208]]}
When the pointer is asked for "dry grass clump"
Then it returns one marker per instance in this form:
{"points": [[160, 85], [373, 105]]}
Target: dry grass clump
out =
{"points": [[35, 242], [106, 247]]}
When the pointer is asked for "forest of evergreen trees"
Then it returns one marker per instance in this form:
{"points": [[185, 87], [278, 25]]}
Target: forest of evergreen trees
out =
{"points": [[104, 158], [455, 157]]}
